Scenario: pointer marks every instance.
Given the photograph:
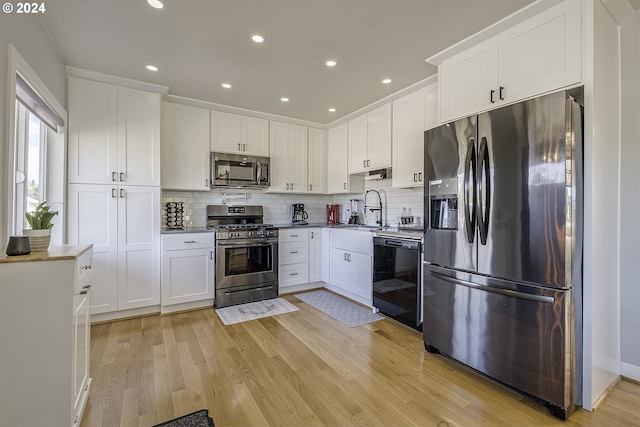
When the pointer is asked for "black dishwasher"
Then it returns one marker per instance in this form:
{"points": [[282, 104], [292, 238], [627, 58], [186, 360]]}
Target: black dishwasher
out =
{"points": [[397, 277]]}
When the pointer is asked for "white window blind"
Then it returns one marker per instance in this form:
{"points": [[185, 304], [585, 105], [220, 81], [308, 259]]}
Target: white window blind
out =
{"points": [[34, 103]]}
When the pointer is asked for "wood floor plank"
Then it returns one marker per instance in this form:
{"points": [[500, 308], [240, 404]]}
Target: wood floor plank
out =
{"points": [[303, 368]]}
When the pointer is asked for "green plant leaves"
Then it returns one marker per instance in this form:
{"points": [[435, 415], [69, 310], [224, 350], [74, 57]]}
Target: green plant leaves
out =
{"points": [[40, 219]]}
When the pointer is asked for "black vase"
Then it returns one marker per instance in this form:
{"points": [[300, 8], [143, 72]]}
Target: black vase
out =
{"points": [[18, 245]]}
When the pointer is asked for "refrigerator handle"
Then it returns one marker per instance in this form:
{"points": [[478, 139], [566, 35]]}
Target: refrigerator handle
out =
{"points": [[483, 191], [470, 199]]}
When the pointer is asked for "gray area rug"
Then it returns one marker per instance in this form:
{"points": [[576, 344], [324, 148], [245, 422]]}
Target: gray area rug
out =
{"points": [[254, 310], [196, 419], [347, 312]]}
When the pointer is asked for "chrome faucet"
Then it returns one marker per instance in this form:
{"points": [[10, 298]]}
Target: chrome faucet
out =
{"points": [[373, 209]]}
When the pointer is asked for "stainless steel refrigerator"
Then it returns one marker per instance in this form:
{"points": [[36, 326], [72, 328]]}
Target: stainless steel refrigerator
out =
{"points": [[503, 246]]}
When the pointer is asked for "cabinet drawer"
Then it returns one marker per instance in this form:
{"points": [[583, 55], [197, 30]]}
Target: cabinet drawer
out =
{"points": [[84, 270], [182, 241], [291, 253], [352, 241], [294, 235], [294, 274]]}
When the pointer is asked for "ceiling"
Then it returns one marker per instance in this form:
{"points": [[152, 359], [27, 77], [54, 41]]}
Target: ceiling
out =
{"points": [[199, 44]]}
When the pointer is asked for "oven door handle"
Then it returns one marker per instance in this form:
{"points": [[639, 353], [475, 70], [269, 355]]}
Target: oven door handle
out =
{"points": [[237, 243]]}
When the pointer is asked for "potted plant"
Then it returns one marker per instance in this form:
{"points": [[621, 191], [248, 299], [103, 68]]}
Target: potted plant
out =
{"points": [[40, 227]]}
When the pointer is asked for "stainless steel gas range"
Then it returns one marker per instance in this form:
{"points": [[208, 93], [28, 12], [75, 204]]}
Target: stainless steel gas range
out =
{"points": [[246, 254]]}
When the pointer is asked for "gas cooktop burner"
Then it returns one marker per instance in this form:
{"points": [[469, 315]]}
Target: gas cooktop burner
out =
{"points": [[243, 226]]}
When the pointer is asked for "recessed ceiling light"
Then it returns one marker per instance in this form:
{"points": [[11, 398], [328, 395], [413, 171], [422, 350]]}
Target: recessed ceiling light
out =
{"points": [[284, 99], [257, 38], [332, 110], [152, 68], [386, 81], [156, 3], [331, 63], [226, 85]]}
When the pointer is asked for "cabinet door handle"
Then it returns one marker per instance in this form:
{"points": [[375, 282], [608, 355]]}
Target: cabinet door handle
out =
{"points": [[85, 290], [86, 287], [312, 235], [113, 193], [500, 94], [419, 176], [122, 193], [344, 185], [364, 163], [210, 254], [287, 186], [292, 185], [206, 182], [113, 176], [310, 187], [244, 147], [345, 256], [121, 176], [349, 257], [415, 177], [86, 267], [491, 96], [239, 149], [368, 163]]}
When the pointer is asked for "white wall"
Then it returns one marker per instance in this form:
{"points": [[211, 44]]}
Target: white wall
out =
{"points": [[27, 35], [601, 283], [630, 200]]}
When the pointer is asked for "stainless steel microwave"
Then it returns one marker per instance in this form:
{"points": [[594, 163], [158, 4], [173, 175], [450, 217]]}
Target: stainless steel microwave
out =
{"points": [[234, 170]]}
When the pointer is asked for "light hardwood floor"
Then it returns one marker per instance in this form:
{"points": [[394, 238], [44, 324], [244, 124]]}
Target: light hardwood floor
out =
{"points": [[303, 369]]}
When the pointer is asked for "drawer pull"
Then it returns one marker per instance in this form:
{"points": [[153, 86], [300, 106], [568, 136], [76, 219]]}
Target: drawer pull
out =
{"points": [[293, 252], [191, 241], [293, 235], [293, 274], [86, 267]]}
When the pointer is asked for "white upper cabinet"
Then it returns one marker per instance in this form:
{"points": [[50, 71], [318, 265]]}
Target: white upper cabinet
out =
{"points": [[236, 134], [185, 147], [338, 178], [412, 115], [369, 139], [288, 153], [317, 162], [114, 134], [538, 55]]}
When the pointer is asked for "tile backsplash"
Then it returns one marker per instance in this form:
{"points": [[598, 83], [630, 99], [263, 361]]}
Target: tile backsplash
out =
{"points": [[277, 207]]}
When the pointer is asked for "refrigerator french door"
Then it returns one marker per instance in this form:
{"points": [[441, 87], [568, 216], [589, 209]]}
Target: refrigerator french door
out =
{"points": [[502, 284]]}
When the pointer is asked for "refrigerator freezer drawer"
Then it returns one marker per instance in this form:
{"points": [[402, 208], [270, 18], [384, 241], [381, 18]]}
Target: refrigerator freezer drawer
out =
{"points": [[517, 334]]}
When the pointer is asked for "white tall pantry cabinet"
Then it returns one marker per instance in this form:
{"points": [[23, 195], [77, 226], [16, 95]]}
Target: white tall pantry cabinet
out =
{"points": [[114, 190]]}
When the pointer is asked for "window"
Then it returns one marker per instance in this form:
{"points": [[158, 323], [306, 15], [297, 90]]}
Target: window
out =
{"points": [[30, 166]]}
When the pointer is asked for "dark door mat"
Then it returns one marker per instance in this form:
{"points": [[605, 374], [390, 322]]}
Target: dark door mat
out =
{"points": [[199, 418]]}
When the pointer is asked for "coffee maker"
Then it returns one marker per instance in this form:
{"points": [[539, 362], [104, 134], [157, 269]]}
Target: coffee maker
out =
{"points": [[299, 215]]}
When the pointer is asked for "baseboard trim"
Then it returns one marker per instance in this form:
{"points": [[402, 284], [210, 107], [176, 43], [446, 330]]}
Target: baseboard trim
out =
{"points": [[630, 371]]}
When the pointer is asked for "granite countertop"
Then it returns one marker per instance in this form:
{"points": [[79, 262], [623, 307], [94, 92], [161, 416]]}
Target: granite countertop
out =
{"points": [[186, 230], [55, 253]]}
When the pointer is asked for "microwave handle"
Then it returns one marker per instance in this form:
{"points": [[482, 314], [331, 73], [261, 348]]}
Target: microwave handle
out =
{"points": [[258, 172]]}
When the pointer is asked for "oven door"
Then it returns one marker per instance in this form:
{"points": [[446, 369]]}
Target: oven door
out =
{"points": [[246, 262]]}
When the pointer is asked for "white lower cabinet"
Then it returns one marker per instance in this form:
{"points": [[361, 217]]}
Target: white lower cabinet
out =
{"points": [[293, 258], [188, 269], [315, 254], [45, 337], [123, 224], [351, 264]]}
